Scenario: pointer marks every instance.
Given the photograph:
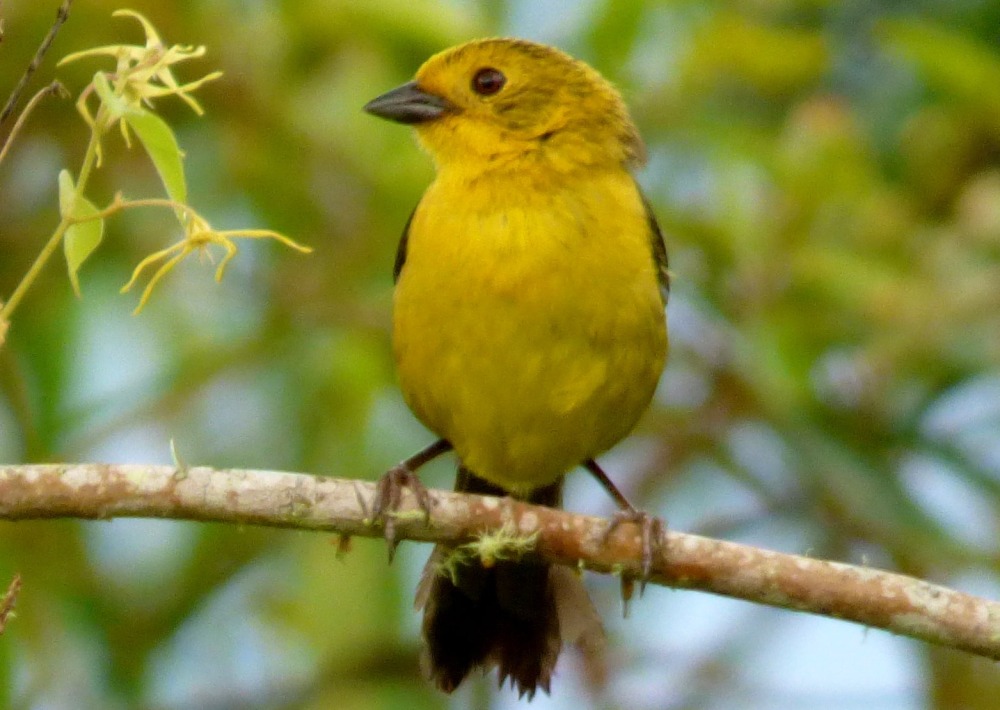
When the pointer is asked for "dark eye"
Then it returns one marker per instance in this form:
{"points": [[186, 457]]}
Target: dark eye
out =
{"points": [[488, 81]]}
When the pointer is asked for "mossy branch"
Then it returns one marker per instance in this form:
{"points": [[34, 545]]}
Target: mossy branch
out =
{"points": [[875, 598]]}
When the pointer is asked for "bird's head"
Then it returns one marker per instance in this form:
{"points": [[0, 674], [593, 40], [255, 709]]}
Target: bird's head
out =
{"points": [[498, 101]]}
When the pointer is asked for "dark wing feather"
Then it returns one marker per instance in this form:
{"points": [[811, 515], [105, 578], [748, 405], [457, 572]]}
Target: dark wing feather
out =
{"points": [[401, 249], [660, 262]]}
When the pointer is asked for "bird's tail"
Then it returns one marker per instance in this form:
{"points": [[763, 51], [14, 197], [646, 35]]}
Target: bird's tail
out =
{"points": [[512, 614]]}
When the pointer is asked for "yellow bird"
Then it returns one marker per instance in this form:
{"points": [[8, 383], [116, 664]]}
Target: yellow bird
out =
{"points": [[529, 329]]}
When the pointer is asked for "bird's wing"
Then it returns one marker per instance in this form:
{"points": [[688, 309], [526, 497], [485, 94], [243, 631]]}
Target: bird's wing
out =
{"points": [[660, 262], [401, 249]]}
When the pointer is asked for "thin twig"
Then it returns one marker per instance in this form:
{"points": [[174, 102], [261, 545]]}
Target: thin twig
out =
{"points": [[8, 601], [875, 598], [53, 89], [61, 16]]}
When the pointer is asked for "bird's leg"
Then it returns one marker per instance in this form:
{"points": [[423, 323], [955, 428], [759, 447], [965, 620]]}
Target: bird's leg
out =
{"points": [[651, 526], [389, 490]]}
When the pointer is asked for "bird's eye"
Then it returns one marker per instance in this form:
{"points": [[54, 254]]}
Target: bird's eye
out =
{"points": [[488, 81]]}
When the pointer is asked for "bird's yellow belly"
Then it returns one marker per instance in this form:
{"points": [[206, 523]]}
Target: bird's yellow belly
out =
{"points": [[528, 366]]}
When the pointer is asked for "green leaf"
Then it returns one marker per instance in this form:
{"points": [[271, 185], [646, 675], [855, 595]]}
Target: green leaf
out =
{"points": [[81, 237], [67, 193], [161, 145]]}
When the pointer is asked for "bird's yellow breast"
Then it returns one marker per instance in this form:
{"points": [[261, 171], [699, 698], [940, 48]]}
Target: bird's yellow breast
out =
{"points": [[528, 327]]}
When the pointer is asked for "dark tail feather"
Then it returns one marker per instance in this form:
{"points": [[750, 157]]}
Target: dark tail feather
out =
{"points": [[504, 615]]}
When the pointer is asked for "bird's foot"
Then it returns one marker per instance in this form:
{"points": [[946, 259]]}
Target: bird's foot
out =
{"points": [[389, 496], [651, 530], [389, 491]]}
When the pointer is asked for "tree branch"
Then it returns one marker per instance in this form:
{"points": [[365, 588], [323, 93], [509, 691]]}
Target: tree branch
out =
{"points": [[899, 604]]}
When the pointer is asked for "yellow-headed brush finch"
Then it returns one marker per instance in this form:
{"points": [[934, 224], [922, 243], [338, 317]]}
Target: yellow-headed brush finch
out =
{"points": [[529, 331]]}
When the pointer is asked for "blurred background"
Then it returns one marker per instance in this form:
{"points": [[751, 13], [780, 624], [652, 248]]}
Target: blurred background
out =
{"points": [[828, 177]]}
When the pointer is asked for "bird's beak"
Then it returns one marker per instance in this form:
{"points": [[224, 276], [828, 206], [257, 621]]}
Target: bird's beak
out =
{"points": [[408, 104]]}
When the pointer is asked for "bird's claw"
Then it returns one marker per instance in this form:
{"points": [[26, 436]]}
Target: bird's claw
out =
{"points": [[389, 495], [651, 529]]}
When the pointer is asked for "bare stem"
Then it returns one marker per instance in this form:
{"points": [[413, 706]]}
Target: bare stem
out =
{"points": [[62, 14], [99, 127], [8, 601], [53, 89]]}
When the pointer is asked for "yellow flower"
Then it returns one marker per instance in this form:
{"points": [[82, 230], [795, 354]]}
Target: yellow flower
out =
{"points": [[142, 73], [198, 236]]}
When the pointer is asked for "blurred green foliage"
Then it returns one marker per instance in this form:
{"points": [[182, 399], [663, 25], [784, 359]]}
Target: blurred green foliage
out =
{"points": [[828, 175]]}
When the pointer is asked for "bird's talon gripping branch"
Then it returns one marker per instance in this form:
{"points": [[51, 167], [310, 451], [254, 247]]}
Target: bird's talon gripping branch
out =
{"points": [[389, 491], [389, 495], [650, 526], [651, 529]]}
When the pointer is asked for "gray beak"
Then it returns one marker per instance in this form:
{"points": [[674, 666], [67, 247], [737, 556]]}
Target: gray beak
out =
{"points": [[408, 104]]}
